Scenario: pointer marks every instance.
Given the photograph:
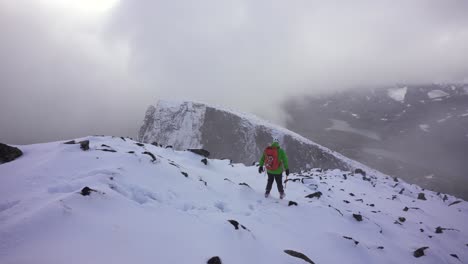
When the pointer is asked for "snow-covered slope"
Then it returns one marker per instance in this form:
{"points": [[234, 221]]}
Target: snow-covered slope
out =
{"points": [[175, 209], [234, 135]]}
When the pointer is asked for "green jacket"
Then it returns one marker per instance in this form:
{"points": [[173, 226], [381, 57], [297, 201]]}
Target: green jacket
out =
{"points": [[282, 157]]}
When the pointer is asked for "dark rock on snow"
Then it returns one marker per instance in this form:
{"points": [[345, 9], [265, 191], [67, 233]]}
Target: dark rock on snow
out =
{"points": [[204, 161], [245, 184], [360, 171], [201, 152], [419, 252], [184, 173], [315, 194], [291, 203], [87, 191], [401, 219], [421, 196], [350, 238], [214, 260], [298, 255], [84, 145], [108, 150], [236, 224], [71, 142], [140, 144], [456, 202], [358, 217], [455, 256], [150, 154], [9, 153]]}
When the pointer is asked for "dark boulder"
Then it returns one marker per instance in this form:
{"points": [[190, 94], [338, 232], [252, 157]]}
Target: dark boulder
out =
{"points": [[236, 225], [291, 203], [84, 145], [315, 194], [9, 153], [455, 256], [87, 191], [71, 142], [358, 217], [184, 173], [401, 219], [298, 255], [153, 158], [214, 260], [201, 152], [419, 252], [360, 171], [422, 196], [204, 161], [140, 144]]}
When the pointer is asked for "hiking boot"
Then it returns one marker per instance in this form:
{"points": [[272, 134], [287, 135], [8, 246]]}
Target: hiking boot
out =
{"points": [[267, 194], [282, 195]]}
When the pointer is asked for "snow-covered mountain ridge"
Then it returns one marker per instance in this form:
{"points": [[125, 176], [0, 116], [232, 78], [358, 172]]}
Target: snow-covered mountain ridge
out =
{"points": [[159, 205], [235, 135]]}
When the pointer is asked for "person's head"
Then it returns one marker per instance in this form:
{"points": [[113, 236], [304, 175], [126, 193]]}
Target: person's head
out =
{"points": [[275, 142]]}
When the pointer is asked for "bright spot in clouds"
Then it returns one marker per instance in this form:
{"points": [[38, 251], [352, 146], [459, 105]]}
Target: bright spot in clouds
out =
{"points": [[82, 6]]}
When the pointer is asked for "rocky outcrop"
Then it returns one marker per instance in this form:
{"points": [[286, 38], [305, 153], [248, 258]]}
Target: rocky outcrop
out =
{"points": [[9, 153], [227, 134]]}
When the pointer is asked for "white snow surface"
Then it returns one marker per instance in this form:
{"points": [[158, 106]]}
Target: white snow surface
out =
{"points": [[147, 211], [397, 94], [436, 94]]}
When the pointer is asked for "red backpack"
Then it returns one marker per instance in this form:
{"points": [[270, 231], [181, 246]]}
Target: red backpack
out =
{"points": [[272, 161]]}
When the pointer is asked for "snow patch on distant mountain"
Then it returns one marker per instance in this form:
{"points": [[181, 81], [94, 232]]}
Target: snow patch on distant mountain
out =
{"points": [[397, 94], [436, 94], [424, 127]]}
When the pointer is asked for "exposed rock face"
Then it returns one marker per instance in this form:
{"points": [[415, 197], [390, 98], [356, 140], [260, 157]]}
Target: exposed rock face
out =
{"points": [[227, 134], [9, 153]]}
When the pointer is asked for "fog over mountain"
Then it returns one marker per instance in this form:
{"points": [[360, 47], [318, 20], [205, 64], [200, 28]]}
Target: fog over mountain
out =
{"points": [[73, 68]]}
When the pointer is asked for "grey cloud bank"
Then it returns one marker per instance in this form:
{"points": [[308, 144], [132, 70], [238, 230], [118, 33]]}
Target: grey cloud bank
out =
{"points": [[65, 75]]}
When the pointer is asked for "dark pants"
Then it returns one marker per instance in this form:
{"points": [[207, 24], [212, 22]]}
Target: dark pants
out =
{"points": [[279, 182]]}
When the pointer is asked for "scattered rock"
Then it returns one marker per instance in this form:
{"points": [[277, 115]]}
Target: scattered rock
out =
{"points": [[439, 230], [84, 145], [236, 225], [351, 194], [184, 173], [445, 198], [206, 184], [108, 150], [455, 256], [245, 184], [298, 255], [456, 202], [380, 247], [140, 144], [104, 145], [395, 179], [169, 146], [291, 203], [422, 230], [131, 152], [344, 176], [204, 161], [201, 152], [123, 138], [71, 142], [336, 209], [406, 209], [359, 200], [402, 190], [371, 205], [315, 194], [350, 238], [151, 155], [155, 144], [421, 196], [87, 191], [358, 217], [9, 153], [214, 260], [360, 171], [401, 219], [346, 201], [419, 252]]}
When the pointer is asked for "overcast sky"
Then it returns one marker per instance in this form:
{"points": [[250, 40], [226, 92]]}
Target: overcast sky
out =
{"points": [[72, 68]]}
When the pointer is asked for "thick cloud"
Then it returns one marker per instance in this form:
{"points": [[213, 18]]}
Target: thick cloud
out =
{"points": [[65, 74]]}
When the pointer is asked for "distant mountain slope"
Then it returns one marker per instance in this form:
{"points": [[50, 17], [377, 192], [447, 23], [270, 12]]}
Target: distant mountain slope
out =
{"points": [[419, 132], [146, 204], [228, 134]]}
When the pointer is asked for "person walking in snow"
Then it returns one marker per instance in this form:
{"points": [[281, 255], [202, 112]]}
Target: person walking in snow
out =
{"points": [[275, 160]]}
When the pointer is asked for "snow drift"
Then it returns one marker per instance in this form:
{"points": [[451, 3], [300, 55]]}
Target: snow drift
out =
{"points": [[147, 204]]}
